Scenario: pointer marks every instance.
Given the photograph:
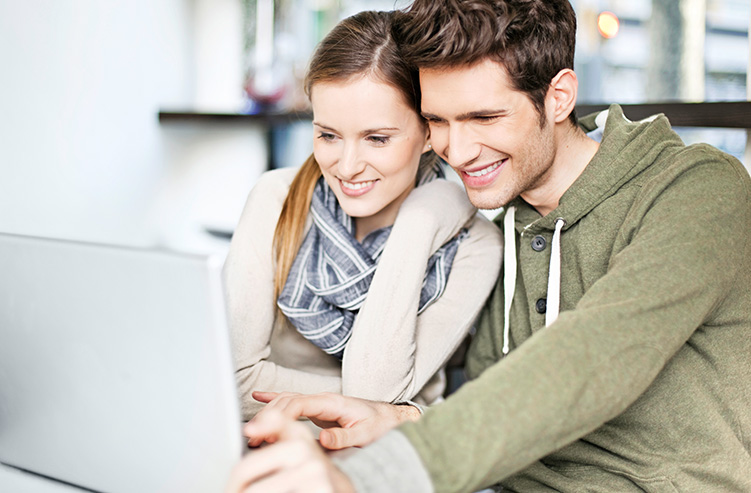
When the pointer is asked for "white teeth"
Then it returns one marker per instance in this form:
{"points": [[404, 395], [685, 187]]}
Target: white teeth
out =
{"points": [[485, 171], [357, 186]]}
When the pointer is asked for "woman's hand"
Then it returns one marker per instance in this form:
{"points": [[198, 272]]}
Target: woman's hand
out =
{"points": [[346, 421]]}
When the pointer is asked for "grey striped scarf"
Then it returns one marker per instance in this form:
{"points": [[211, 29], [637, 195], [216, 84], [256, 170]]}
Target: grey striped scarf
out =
{"points": [[331, 275]]}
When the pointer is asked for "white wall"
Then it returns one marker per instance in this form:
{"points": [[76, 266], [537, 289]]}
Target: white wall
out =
{"points": [[82, 154], [209, 169]]}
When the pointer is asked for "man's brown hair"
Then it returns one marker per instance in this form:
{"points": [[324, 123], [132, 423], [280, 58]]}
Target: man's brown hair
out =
{"points": [[532, 39]]}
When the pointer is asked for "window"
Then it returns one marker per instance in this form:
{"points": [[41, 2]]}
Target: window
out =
{"points": [[667, 50]]}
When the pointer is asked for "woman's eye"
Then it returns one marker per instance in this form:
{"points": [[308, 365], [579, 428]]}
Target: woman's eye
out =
{"points": [[326, 136], [379, 139]]}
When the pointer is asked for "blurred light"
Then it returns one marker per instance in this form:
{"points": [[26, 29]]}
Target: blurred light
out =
{"points": [[608, 24]]}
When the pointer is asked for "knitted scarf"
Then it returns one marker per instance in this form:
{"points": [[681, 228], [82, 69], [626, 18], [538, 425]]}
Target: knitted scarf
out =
{"points": [[330, 277]]}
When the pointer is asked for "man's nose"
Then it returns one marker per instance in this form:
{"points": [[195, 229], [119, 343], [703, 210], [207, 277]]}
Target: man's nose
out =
{"points": [[461, 146]]}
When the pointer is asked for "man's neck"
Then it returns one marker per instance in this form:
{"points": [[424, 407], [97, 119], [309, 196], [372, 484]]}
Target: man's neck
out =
{"points": [[573, 151]]}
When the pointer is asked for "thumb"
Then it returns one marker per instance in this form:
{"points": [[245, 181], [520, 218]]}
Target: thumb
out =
{"points": [[339, 438]]}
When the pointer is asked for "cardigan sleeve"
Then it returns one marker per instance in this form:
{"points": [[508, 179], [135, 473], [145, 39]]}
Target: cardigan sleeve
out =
{"points": [[248, 279], [393, 352]]}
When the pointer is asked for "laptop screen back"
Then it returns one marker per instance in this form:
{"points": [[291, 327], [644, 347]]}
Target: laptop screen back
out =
{"points": [[115, 368]]}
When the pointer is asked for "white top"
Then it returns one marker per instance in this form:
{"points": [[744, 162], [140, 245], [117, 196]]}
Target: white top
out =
{"points": [[393, 355]]}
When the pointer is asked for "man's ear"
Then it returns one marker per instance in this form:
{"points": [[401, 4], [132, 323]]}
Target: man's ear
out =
{"points": [[563, 90]]}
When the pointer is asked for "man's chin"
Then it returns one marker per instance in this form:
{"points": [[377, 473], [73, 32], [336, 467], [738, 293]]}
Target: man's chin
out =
{"points": [[486, 200]]}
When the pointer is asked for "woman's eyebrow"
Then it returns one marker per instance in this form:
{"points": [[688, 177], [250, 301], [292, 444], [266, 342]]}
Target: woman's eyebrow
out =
{"points": [[325, 127], [363, 132], [378, 129]]}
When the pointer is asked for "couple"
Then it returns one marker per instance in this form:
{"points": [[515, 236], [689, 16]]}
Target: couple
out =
{"points": [[613, 353]]}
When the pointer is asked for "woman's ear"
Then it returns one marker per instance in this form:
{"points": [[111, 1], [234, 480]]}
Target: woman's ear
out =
{"points": [[563, 91], [428, 146]]}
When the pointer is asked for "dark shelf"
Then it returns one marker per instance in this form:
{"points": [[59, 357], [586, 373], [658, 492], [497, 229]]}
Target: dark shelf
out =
{"points": [[733, 114], [220, 117], [269, 122]]}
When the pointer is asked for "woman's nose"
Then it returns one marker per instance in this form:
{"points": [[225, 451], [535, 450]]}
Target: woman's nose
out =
{"points": [[350, 162]]}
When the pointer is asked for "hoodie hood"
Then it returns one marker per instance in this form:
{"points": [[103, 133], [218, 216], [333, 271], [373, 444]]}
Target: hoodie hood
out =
{"points": [[641, 141]]}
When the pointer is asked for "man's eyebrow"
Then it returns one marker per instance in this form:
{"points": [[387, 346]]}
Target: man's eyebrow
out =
{"points": [[430, 116], [467, 116]]}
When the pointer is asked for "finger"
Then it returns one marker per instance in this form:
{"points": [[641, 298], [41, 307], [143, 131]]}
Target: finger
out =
{"points": [[309, 476], [254, 441], [237, 477], [264, 397], [283, 403], [288, 404], [317, 407], [339, 438], [264, 462], [298, 464], [265, 427], [321, 407], [274, 425]]}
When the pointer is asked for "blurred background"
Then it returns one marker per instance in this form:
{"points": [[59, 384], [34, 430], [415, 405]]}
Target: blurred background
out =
{"points": [[146, 122]]}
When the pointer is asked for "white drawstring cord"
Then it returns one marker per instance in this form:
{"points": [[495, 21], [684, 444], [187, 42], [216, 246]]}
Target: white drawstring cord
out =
{"points": [[509, 272], [554, 275]]}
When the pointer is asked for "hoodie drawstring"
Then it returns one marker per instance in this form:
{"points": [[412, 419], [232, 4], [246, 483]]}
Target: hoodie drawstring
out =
{"points": [[554, 275], [509, 273]]}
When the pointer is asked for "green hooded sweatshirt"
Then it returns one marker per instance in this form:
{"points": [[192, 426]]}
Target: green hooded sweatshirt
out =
{"points": [[643, 383]]}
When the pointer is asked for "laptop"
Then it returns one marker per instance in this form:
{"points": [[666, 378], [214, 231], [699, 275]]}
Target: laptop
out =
{"points": [[115, 367]]}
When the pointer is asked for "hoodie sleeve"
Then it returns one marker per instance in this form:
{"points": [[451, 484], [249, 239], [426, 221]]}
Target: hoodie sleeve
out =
{"points": [[682, 257]]}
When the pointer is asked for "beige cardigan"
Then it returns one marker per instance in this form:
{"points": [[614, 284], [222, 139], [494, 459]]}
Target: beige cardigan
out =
{"points": [[393, 355]]}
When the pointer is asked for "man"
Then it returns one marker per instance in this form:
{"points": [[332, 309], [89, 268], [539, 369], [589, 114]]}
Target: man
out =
{"points": [[614, 354]]}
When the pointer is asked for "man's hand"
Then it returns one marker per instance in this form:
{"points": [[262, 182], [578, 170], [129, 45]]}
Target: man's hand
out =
{"points": [[296, 463], [346, 421]]}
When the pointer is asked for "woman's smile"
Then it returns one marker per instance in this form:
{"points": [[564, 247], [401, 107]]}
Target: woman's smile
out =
{"points": [[355, 189], [368, 144]]}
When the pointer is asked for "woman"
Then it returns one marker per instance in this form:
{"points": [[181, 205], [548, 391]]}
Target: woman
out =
{"points": [[361, 272]]}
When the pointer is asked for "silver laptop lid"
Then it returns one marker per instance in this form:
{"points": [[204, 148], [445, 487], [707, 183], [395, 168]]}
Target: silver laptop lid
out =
{"points": [[115, 368]]}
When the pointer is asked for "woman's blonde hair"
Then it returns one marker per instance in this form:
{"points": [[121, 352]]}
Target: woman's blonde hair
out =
{"points": [[360, 46]]}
